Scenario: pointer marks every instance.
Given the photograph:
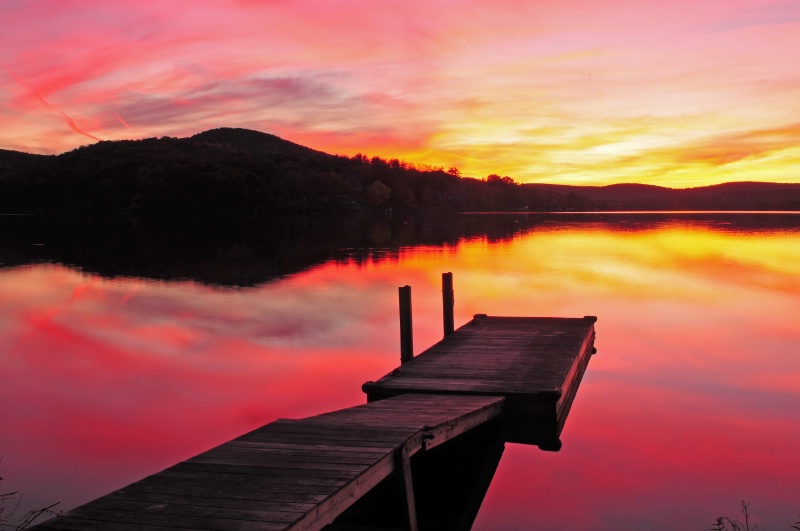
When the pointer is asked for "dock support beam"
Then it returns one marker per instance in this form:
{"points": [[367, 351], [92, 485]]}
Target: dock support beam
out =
{"points": [[403, 465], [448, 301], [406, 333]]}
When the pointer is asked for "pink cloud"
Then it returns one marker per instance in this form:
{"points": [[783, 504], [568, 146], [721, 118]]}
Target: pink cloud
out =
{"points": [[35, 94], [341, 72]]}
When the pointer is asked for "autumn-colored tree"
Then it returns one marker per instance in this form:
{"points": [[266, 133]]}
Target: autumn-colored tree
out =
{"points": [[500, 181], [377, 193]]}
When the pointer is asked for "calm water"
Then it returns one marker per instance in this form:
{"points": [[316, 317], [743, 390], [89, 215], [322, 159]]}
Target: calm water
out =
{"points": [[691, 404]]}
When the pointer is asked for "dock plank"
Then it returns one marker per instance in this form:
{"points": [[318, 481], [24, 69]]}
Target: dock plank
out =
{"points": [[288, 475], [535, 362], [520, 373]]}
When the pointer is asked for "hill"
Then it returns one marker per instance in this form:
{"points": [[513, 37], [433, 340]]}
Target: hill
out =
{"points": [[222, 169], [637, 197], [239, 170]]}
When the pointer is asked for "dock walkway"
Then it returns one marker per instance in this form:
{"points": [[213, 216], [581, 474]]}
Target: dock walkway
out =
{"points": [[537, 363], [289, 474], [419, 455]]}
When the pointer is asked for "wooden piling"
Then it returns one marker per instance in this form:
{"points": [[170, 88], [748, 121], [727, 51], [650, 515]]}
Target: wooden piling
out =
{"points": [[448, 301], [406, 332]]}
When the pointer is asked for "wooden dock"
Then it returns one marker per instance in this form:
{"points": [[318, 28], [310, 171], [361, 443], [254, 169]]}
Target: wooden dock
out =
{"points": [[535, 362], [290, 474], [419, 455]]}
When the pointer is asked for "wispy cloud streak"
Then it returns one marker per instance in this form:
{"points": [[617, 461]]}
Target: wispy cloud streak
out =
{"points": [[35, 93], [531, 90]]}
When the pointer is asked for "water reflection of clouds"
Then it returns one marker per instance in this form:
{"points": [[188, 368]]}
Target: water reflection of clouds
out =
{"points": [[133, 375], [690, 401]]}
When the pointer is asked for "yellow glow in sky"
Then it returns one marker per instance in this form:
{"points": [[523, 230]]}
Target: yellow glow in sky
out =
{"points": [[681, 93]]}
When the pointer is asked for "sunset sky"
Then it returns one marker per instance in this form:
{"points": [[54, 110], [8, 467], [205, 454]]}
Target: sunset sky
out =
{"points": [[679, 93]]}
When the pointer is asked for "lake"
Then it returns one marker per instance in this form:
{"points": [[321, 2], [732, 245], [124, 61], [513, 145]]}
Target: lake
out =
{"points": [[126, 349]]}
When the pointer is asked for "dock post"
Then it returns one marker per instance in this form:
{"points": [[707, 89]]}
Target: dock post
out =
{"points": [[406, 333], [448, 301]]}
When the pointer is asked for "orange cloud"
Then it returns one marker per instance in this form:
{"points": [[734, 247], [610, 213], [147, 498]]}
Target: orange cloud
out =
{"points": [[565, 92], [727, 148]]}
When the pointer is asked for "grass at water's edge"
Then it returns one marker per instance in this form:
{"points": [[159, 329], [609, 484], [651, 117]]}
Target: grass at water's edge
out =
{"points": [[10, 502], [724, 523]]}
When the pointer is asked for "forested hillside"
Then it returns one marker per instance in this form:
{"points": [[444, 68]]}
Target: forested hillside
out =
{"points": [[246, 171]]}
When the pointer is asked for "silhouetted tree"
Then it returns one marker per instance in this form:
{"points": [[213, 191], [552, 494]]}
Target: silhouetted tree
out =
{"points": [[404, 197], [239, 170], [377, 193]]}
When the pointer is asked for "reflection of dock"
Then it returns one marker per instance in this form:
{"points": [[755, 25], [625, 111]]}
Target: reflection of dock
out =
{"points": [[419, 455]]}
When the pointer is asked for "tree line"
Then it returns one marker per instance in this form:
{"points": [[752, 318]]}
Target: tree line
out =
{"points": [[241, 170], [233, 169]]}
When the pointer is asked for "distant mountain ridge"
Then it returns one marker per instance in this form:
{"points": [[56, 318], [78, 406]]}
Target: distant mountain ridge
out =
{"points": [[732, 195], [635, 190], [245, 170], [746, 195]]}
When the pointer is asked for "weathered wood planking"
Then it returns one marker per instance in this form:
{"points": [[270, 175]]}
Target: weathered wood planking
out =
{"points": [[302, 474], [290, 474], [535, 362]]}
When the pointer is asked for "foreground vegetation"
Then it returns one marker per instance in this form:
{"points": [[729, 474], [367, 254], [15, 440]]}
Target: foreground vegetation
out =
{"points": [[10, 501], [724, 523], [9, 504]]}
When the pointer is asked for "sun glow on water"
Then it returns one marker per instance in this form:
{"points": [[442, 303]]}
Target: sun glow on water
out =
{"points": [[690, 401]]}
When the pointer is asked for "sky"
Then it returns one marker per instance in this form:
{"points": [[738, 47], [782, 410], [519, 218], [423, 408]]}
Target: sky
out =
{"points": [[681, 93]]}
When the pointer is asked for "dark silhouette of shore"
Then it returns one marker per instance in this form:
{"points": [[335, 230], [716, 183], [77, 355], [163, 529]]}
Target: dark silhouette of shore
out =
{"points": [[234, 250], [243, 171], [242, 251]]}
